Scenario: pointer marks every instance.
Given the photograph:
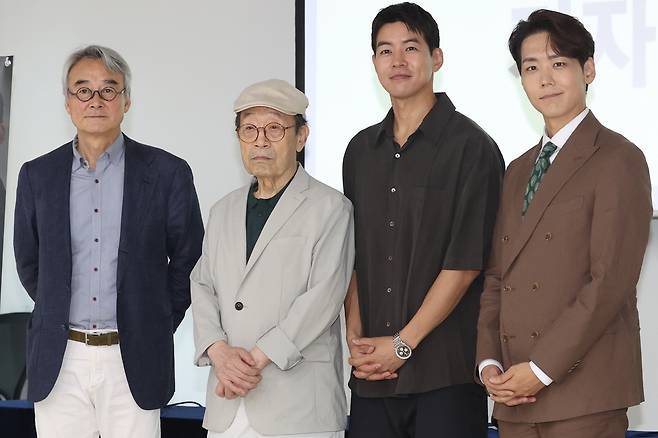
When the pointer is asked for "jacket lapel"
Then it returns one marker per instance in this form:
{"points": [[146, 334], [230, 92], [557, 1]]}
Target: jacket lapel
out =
{"points": [[237, 232], [289, 202], [139, 182], [576, 151], [60, 200]]}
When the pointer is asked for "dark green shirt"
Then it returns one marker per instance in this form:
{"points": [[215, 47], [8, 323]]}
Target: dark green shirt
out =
{"points": [[258, 211]]}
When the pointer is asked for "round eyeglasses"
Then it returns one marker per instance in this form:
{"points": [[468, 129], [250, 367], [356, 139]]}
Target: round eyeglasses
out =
{"points": [[273, 131], [85, 94]]}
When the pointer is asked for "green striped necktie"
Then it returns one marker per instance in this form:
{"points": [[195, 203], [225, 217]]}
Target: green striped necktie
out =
{"points": [[541, 166]]}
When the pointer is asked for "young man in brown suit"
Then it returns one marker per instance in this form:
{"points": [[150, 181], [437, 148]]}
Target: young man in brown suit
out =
{"points": [[558, 313]]}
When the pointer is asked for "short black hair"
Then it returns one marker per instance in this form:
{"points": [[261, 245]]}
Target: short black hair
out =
{"points": [[416, 19], [566, 35], [300, 121]]}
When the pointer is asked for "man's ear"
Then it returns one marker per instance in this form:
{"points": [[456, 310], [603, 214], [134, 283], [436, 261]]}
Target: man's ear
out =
{"points": [[302, 135], [589, 70], [437, 59]]}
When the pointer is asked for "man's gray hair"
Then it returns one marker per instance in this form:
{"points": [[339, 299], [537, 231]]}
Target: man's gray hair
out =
{"points": [[110, 58]]}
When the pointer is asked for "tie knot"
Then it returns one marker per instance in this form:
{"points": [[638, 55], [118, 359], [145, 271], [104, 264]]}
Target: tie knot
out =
{"points": [[548, 150]]}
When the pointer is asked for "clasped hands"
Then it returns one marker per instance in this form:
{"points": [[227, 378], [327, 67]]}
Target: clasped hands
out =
{"points": [[516, 386], [373, 358], [238, 371]]}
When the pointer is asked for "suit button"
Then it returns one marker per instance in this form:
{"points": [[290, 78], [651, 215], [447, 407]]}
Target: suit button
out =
{"points": [[505, 338], [535, 286], [507, 288], [505, 238], [548, 236], [534, 335], [239, 306]]}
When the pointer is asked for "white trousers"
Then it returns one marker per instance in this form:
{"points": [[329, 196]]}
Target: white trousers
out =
{"points": [[240, 429], [91, 398]]}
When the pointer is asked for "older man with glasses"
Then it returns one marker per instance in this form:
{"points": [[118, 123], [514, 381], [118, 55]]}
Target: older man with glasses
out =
{"points": [[268, 288], [107, 231]]}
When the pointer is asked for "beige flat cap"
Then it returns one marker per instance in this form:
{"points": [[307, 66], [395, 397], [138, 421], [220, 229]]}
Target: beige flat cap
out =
{"points": [[275, 94]]}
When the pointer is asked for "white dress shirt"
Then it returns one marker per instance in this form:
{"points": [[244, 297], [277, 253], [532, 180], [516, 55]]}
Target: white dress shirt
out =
{"points": [[559, 140]]}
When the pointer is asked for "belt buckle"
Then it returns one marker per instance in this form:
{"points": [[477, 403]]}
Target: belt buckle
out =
{"points": [[86, 338]]}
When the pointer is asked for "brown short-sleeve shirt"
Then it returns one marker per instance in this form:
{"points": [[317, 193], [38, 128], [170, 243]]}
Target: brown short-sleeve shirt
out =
{"points": [[426, 206]]}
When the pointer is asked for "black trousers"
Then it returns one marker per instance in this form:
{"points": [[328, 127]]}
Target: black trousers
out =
{"points": [[458, 411]]}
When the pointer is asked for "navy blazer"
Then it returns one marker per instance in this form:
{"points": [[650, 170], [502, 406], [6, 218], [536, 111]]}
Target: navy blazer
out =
{"points": [[161, 236]]}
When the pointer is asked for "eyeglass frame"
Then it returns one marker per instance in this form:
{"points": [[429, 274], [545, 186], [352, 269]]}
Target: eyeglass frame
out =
{"points": [[258, 128], [93, 93]]}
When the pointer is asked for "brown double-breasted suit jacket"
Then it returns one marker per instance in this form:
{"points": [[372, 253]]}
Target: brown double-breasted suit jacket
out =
{"points": [[560, 287]]}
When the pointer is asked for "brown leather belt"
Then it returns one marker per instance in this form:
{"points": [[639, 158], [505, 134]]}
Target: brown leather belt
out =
{"points": [[111, 338]]}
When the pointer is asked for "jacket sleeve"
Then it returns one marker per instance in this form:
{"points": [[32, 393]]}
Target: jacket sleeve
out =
{"points": [[184, 239], [313, 311], [205, 304], [619, 234], [26, 237]]}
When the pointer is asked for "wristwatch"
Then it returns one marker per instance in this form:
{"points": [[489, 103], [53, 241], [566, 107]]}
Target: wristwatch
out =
{"points": [[402, 350]]}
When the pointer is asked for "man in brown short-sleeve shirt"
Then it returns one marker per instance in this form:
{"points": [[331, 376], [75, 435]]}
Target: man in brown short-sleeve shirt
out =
{"points": [[425, 186]]}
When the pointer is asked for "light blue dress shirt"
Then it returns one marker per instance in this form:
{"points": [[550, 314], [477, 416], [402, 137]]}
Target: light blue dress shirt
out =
{"points": [[95, 205]]}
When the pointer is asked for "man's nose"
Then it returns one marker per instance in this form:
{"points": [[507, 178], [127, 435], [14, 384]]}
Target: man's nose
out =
{"points": [[398, 59], [96, 100], [261, 139]]}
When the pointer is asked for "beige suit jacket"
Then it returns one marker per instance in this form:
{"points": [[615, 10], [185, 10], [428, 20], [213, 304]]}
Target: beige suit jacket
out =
{"points": [[560, 289], [292, 290]]}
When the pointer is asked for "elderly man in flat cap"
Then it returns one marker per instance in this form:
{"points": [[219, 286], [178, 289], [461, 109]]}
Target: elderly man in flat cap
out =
{"points": [[268, 289]]}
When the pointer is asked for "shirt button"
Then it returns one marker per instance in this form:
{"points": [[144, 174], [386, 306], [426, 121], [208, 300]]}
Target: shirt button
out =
{"points": [[505, 338], [95, 269], [397, 155], [389, 290], [506, 238], [391, 224], [93, 326], [96, 181], [534, 335], [389, 258], [239, 306], [535, 286], [95, 210], [388, 323], [96, 240], [548, 236], [93, 299], [392, 189]]}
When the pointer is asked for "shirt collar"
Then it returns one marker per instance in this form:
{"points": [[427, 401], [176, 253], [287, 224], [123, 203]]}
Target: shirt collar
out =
{"points": [[560, 138], [431, 125], [114, 152]]}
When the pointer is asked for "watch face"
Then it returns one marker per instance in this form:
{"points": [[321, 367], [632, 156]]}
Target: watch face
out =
{"points": [[403, 351]]}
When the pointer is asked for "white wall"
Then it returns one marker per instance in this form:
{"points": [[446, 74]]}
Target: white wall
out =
{"points": [[189, 60]]}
